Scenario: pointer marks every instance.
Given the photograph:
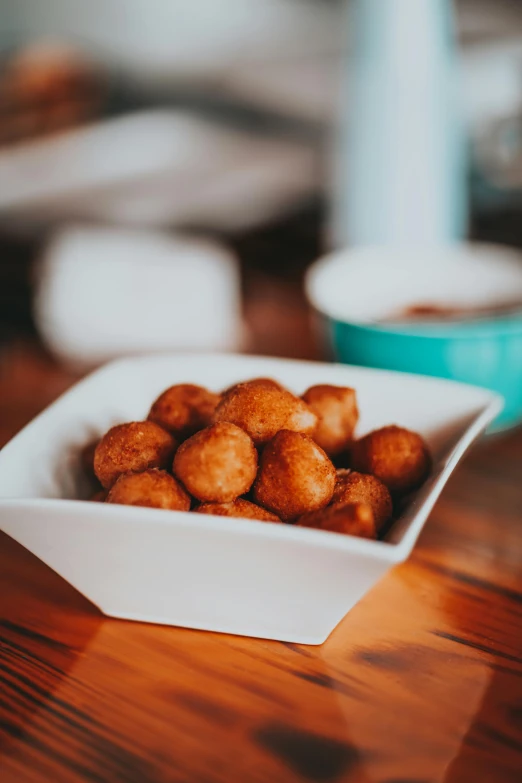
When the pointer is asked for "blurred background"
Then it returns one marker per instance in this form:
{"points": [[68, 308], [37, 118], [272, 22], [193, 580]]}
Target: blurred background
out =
{"points": [[169, 170]]}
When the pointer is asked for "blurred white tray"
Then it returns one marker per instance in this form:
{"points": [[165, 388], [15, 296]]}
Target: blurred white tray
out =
{"points": [[155, 168]]}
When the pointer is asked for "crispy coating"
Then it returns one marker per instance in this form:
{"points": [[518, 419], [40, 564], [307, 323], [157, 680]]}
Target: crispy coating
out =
{"points": [[295, 476], [238, 508], [353, 487], [99, 497], [262, 411], [152, 488], [398, 457], [184, 409], [132, 447], [264, 383], [353, 519], [217, 464], [337, 413]]}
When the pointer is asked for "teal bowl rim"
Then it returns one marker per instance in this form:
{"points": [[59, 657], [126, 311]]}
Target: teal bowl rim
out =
{"points": [[469, 330]]}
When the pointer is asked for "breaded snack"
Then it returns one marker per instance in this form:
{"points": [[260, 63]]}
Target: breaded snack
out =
{"points": [[398, 457], [353, 487], [152, 488], [237, 508], [184, 409], [99, 497], [265, 383], [262, 411], [132, 447], [354, 519], [337, 413], [217, 464], [295, 476]]}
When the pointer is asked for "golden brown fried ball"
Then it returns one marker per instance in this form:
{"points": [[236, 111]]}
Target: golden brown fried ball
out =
{"points": [[217, 464], [354, 519], [238, 508], [184, 409], [152, 488], [132, 447], [100, 496], [353, 487], [262, 411], [336, 410], [265, 383], [295, 476], [398, 457]]}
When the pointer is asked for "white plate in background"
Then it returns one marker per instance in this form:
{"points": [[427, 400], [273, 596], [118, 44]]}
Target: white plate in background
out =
{"points": [[155, 168]]}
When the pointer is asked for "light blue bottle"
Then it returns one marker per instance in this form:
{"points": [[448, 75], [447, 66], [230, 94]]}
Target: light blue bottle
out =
{"points": [[400, 163]]}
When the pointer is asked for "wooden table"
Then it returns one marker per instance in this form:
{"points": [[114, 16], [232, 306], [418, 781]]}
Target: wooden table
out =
{"points": [[421, 682]]}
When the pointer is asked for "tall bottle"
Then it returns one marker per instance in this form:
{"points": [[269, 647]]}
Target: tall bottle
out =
{"points": [[399, 162]]}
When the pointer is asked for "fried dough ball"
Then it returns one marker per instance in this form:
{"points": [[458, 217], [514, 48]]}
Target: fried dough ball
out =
{"points": [[295, 476], [353, 487], [337, 413], [398, 457], [262, 411], [354, 519], [184, 409], [217, 464], [100, 496], [264, 383], [152, 488], [132, 447], [238, 508]]}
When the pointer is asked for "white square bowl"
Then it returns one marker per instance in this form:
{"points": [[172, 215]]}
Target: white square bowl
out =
{"points": [[217, 573]]}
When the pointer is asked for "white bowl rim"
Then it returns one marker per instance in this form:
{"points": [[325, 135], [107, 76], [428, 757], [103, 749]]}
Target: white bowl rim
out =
{"points": [[483, 256], [384, 549]]}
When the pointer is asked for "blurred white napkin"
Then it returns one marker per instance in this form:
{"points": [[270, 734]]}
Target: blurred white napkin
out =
{"points": [[106, 292]]}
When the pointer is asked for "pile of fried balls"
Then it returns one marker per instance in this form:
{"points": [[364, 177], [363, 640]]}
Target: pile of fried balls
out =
{"points": [[257, 451]]}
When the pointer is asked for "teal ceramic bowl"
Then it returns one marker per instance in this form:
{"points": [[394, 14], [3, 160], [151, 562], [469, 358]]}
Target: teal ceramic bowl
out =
{"points": [[355, 290]]}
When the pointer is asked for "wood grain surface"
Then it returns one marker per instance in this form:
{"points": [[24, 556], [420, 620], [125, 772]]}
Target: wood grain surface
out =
{"points": [[420, 683]]}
